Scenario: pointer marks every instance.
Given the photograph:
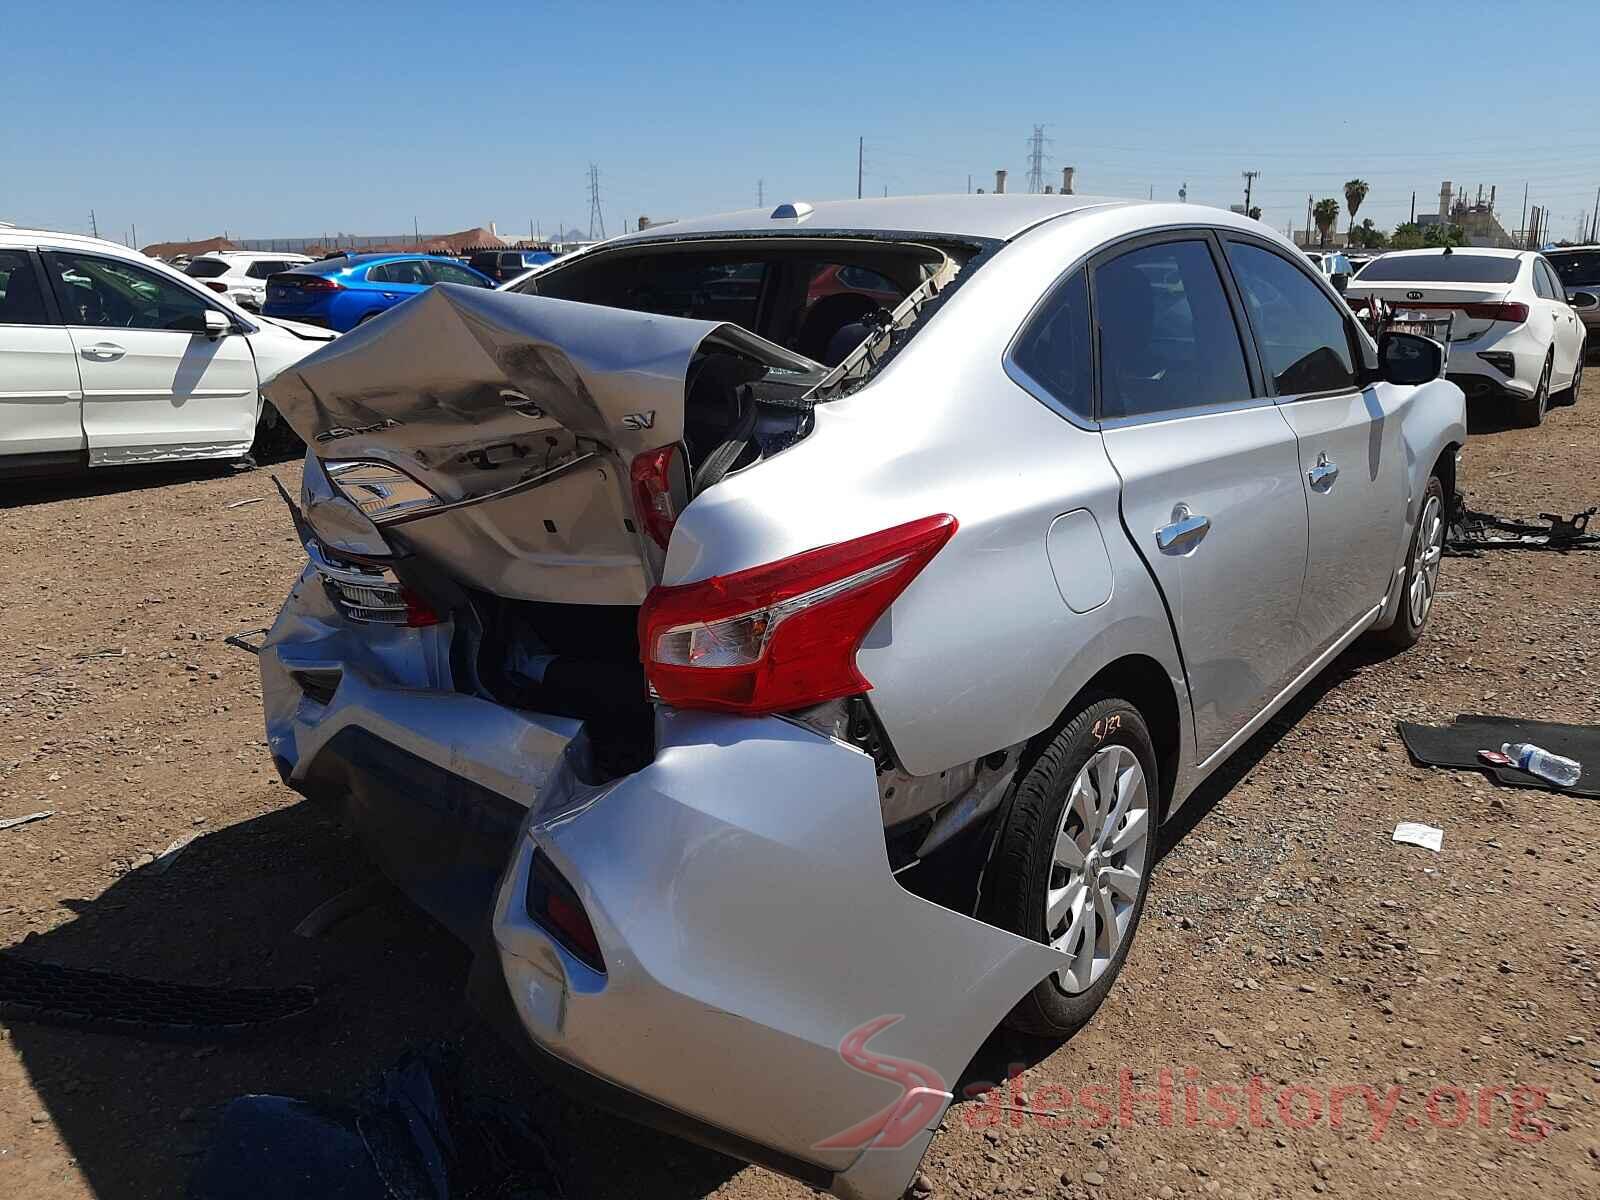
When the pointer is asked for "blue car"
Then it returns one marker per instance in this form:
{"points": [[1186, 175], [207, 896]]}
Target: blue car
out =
{"points": [[340, 293]]}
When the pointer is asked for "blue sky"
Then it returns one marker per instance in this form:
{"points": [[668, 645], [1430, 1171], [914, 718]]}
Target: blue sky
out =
{"points": [[185, 119]]}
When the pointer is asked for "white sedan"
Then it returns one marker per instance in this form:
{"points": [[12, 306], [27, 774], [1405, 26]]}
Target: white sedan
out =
{"points": [[109, 357], [1514, 334]]}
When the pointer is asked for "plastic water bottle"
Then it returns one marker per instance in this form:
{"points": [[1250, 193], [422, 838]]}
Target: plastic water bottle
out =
{"points": [[1563, 772]]}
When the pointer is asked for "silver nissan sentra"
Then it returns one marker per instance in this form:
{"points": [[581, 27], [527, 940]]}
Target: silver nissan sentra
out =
{"points": [[773, 642]]}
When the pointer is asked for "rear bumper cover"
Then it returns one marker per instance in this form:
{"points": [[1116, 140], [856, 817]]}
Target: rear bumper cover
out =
{"points": [[740, 890]]}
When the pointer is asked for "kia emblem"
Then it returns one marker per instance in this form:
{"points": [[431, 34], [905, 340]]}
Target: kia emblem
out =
{"points": [[1413, 295]]}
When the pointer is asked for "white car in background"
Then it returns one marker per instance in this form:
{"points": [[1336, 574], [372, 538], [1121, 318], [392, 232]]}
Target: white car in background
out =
{"points": [[1515, 335], [241, 275], [110, 357]]}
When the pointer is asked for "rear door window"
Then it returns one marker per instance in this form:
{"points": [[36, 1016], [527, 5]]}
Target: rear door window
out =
{"points": [[1053, 349], [445, 272], [206, 268], [1303, 338], [1168, 341], [21, 298], [1577, 268]]}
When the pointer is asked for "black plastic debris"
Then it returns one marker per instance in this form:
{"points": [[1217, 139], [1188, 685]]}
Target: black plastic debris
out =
{"points": [[111, 1002], [418, 1134], [1471, 531]]}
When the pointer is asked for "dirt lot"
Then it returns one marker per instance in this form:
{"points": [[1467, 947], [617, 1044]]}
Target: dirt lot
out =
{"points": [[1287, 938]]}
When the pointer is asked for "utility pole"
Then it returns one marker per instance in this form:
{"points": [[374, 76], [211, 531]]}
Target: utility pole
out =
{"points": [[1524, 224], [861, 150], [969, 183], [135, 237], [1036, 157], [761, 193], [416, 232], [94, 228], [597, 218], [1249, 181], [1594, 225], [1413, 206], [1308, 218]]}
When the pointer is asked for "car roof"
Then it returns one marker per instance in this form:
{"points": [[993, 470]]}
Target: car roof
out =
{"points": [[77, 241], [990, 216]]}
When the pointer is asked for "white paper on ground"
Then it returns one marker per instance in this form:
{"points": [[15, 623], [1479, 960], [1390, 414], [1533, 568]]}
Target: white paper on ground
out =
{"points": [[1417, 834]]}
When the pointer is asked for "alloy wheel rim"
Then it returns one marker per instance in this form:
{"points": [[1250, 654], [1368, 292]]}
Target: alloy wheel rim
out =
{"points": [[1426, 561], [1097, 864]]}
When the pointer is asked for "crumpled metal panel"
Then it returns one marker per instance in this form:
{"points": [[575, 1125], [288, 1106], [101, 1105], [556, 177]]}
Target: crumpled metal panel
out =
{"points": [[122, 456], [523, 414]]}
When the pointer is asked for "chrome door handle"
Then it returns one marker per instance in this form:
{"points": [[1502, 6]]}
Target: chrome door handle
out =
{"points": [[1323, 474], [1185, 531], [103, 352]]}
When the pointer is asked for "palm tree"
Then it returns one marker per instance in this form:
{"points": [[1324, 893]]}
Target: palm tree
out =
{"points": [[1354, 193], [1326, 213]]}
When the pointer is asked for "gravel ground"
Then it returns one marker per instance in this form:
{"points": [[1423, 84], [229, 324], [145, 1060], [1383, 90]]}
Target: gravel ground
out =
{"points": [[1287, 939]]}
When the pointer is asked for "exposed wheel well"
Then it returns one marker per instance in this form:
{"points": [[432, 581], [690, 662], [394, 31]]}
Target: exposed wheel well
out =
{"points": [[1445, 469], [1144, 683]]}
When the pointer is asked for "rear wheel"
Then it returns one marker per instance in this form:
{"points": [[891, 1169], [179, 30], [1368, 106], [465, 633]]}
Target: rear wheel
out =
{"points": [[1532, 409], [1421, 579], [1071, 867], [1570, 395]]}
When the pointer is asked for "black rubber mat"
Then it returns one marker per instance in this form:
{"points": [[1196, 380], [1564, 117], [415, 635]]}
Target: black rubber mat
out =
{"points": [[112, 1003], [1457, 746]]}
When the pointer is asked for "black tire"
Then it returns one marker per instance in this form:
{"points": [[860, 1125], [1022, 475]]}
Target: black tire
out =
{"points": [[1532, 409], [1569, 395], [1407, 629], [1023, 871], [275, 440]]}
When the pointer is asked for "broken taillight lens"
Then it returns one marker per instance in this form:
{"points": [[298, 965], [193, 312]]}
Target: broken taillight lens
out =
{"points": [[781, 636], [553, 903], [652, 493]]}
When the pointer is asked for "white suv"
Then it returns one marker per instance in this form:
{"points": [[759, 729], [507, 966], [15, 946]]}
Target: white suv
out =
{"points": [[241, 275], [109, 357]]}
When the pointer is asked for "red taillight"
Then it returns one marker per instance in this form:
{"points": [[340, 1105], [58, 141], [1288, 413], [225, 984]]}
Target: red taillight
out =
{"points": [[1510, 311], [785, 635], [312, 283], [419, 613], [652, 493], [215, 286]]}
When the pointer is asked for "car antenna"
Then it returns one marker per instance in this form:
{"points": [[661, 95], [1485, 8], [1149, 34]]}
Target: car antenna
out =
{"points": [[1449, 250]]}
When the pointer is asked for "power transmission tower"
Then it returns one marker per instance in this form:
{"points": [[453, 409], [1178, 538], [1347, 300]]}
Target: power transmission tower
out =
{"points": [[761, 193], [1036, 157], [597, 219], [1249, 180]]}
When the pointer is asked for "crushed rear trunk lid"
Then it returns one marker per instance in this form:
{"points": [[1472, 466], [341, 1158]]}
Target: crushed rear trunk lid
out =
{"points": [[1474, 307], [513, 421]]}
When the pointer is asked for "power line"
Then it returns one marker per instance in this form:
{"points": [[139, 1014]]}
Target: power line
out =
{"points": [[597, 218]]}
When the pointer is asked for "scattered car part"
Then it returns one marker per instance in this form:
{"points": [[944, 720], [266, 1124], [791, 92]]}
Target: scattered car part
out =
{"points": [[418, 1134], [111, 1002], [1458, 747], [1414, 833], [1471, 531], [13, 822]]}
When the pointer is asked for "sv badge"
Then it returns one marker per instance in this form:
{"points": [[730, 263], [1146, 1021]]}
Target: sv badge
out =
{"points": [[642, 420]]}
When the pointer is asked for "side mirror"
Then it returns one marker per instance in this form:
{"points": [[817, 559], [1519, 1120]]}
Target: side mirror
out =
{"points": [[1340, 281], [1409, 358], [217, 324], [1583, 300]]}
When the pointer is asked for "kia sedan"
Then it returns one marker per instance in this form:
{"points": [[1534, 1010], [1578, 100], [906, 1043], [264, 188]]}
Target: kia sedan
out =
{"points": [[780, 686]]}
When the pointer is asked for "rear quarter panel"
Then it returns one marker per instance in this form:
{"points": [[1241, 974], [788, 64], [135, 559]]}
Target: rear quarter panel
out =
{"points": [[982, 650]]}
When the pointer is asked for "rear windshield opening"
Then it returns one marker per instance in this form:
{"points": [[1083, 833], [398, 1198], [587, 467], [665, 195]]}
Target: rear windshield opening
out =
{"points": [[206, 268], [817, 297], [1443, 268], [1577, 268]]}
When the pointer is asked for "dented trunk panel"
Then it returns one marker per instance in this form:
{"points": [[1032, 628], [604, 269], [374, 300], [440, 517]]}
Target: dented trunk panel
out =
{"points": [[522, 414]]}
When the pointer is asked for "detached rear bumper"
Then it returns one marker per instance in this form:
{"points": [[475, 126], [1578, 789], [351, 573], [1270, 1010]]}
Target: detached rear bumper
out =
{"points": [[740, 892], [768, 988]]}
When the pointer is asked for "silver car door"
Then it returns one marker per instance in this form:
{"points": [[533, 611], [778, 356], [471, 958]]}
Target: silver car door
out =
{"points": [[41, 401], [1211, 494], [1352, 462]]}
